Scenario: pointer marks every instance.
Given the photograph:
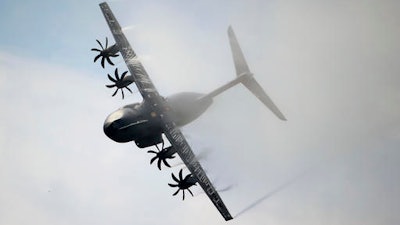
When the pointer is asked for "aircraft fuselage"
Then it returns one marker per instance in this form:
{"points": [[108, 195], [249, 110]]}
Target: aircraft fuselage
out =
{"points": [[138, 122]]}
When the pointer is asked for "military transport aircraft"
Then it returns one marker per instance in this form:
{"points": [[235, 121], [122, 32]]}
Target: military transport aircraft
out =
{"points": [[147, 122]]}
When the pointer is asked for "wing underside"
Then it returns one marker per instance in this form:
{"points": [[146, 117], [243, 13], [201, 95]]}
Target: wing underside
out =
{"points": [[184, 151], [140, 76], [151, 95]]}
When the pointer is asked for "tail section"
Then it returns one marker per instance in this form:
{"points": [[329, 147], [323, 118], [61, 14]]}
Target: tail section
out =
{"points": [[246, 77], [238, 57]]}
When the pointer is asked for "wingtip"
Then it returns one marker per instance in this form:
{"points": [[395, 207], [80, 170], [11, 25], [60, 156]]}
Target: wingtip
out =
{"points": [[278, 113], [227, 218], [282, 117]]}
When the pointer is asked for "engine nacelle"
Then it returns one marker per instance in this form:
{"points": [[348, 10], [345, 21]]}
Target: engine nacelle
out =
{"points": [[145, 142]]}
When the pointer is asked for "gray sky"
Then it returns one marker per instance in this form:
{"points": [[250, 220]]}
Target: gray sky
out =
{"points": [[331, 67]]}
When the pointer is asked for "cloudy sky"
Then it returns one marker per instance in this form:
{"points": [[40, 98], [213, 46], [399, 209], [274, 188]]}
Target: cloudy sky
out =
{"points": [[332, 67]]}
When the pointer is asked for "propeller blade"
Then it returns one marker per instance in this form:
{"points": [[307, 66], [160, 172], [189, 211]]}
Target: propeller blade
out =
{"points": [[102, 62], [96, 58], [106, 42], [116, 74], [123, 75], [132, 93], [159, 164], [180, 175], [115, 92], [100, 44], [175, 179], [109, 61], [110, 85], [173, 185], [111, 78], [166, 163], [152, 160], [95, 49], [176, 192], [183, 198], [151, 151], [122, 91], [190, 191]]}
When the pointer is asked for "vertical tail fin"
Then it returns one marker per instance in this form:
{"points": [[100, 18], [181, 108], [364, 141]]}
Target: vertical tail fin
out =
{"points": [[249, 82], [238, 57]]}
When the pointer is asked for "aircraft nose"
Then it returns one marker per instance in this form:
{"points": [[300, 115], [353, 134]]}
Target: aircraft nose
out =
{"points": [[113, 124], [111, 128]]}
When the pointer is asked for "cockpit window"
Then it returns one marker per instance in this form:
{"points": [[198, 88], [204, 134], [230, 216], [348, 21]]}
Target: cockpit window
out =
{"points": [[132, 106]]}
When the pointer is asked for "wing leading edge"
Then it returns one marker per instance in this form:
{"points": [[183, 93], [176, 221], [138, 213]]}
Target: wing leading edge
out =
{"points": [[150, 94]]}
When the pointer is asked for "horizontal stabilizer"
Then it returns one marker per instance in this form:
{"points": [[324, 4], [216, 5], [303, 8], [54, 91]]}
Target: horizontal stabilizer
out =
{"points": [[258, 91]]}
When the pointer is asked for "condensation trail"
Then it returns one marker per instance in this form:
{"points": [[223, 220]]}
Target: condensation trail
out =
{"points": [[128, 28], [271, 193]]}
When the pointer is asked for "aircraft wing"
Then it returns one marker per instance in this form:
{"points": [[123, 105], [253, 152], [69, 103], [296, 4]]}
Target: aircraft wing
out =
{"points": [[139, 74], [184, 151], [151, 95]]}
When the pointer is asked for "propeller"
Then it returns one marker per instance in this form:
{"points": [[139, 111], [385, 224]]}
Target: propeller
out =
{"points": [[162, 156], [120, 82], [105, 52], [183, 183]]}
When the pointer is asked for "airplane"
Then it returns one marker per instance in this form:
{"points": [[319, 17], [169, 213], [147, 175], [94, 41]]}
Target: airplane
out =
{"points": [[146, 122]]}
